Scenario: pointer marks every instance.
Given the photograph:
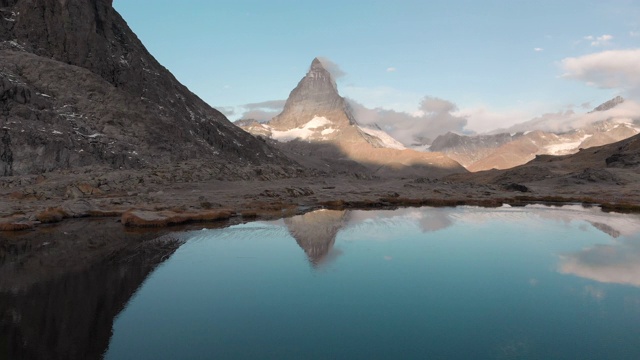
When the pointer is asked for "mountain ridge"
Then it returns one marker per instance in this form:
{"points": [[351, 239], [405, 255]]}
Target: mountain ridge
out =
{"points": [[80, 89], [507, 150]]}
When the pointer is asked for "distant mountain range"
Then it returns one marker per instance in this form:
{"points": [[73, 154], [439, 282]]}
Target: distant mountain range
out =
{"points": [[501, 150], [506, 150]]}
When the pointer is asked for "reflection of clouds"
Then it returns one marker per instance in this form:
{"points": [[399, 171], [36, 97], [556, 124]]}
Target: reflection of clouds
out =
{"points": [[618, 263], [428, 219], [434, 219], [594, 292]]}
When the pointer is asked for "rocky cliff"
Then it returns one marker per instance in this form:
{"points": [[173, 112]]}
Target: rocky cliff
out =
{"points": [[78, 88]]}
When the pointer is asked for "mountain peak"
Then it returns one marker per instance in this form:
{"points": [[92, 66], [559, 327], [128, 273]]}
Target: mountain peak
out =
{"points": [[316, 95], [608, 105], [316, 63]]}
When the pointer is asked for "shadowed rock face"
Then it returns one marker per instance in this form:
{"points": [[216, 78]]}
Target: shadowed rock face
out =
{"points": [[78, 88], [316, 232]]}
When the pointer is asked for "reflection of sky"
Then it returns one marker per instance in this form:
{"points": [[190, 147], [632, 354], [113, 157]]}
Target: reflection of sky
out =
{"points": [[448, 283], [618, 263], [434, 219]]}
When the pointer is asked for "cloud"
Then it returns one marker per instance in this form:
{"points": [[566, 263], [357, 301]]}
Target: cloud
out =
{"points": [[271, 104], [259, 115], [333, 68], [434, 118], [568, 119], [613, 69], [538, 49], [227, 111], [261, 111], [602, 40], [391, 69], [383, 97], [482, 119], [634, 33]]}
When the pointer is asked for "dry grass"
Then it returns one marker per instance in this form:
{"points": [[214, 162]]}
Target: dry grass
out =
{"points": [[15, 226], [620, 207], [249, 214], [387, 202], [105, 213]]}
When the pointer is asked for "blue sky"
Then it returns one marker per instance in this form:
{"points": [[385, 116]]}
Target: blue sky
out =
{"points": [[499, 62]]}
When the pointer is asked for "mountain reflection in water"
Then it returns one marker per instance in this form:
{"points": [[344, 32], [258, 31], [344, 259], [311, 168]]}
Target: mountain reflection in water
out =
{"points": [[316, 232], [61, 290]]}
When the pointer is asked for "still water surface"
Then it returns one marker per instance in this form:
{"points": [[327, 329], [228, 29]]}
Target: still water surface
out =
{"points": [[464, 283]]}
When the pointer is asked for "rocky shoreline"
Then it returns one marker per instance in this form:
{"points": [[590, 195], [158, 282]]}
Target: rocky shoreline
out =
{"points": [[140, 202]]}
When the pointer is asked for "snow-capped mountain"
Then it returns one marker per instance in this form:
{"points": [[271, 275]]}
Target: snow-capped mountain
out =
{"points": [[506, 150], [316, 114]]}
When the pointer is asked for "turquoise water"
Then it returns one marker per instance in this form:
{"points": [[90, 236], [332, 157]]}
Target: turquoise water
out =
{"points": [[464, 283]]}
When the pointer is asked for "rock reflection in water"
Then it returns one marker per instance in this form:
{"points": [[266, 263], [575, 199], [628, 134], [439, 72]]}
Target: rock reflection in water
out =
{"points": [[58, 299], [315, 232]]}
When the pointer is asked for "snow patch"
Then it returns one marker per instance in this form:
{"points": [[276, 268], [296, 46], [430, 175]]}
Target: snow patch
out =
{"points": [[386, 139], [565, 148], [56, 132], [303, 132]]}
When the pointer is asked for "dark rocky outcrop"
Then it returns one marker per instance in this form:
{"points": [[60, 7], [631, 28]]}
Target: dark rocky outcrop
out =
{"points": [[6, 155], [608, 105], [78, 88]]}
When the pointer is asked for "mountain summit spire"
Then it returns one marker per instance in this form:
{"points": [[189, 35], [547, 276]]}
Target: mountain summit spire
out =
{"points": [[315, 95]]}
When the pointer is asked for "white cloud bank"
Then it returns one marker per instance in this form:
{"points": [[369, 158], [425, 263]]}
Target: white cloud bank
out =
{"points": [[434, 117], [567, 120], [613, 69], [333, 68]]}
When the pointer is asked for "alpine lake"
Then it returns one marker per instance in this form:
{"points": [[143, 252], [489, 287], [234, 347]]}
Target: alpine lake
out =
{"points": [[531, 282]]}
